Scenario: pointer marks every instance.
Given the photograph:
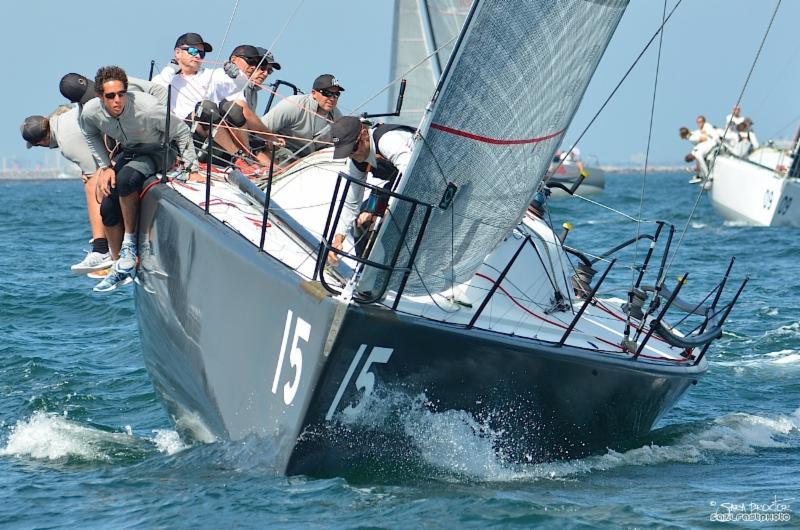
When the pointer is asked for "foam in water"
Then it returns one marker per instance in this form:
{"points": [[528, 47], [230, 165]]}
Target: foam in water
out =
{"points": [[784, 357], [168, 442], [50, 436], [47, 436], [456, 443]]}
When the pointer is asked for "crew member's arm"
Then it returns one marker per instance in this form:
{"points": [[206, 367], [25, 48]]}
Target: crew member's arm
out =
{"points": [[179, 131], [164, 77], [254, 123], [352, 206], [156, 90], [106, 178]]}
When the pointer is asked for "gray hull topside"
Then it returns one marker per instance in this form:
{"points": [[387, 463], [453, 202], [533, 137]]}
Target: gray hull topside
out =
{"points": [[237, 344]]}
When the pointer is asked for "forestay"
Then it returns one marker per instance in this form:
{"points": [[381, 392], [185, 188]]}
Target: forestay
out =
{"points": [[509, 92], [422, 28]]}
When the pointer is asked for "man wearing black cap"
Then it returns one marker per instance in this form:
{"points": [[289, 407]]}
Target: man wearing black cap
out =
{"points": [[256, 64], [383, 151], [61, 131], [80, 89], [305, 118]]}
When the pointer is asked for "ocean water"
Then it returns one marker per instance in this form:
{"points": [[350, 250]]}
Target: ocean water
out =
{"points": [[84, 440]]}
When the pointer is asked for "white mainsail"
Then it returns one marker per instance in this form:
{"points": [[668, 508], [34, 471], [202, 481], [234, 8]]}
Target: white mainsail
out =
{"points": [[504, 101], [422, 28]]}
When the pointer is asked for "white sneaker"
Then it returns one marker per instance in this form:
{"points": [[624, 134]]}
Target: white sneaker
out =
{"points": [[127, 259], [94, 261], [113, 280]]}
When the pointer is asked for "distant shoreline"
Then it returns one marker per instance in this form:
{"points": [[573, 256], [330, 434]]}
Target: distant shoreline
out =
{"points": [[47, 174], [640, 169]]}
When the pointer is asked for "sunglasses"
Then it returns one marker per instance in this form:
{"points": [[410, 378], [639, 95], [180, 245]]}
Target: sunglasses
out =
{"points": [[194, 52], [328, 94], [112, 95]]}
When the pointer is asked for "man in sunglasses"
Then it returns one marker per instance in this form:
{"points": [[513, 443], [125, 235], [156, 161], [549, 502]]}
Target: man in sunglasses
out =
{"points": [[256, 64], [136, 121], [305, 119]]}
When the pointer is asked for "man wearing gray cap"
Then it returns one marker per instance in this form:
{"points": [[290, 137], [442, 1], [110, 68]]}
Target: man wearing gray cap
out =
{"points": [[304, 120], [61, 131]]}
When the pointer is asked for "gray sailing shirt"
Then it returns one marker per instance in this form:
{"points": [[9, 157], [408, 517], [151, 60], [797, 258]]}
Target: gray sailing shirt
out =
{"points": [[297, 116], [141, 124], [65, 133]]}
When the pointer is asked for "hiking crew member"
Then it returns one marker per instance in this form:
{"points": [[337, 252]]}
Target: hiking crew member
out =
{"points": [[136, 121], [62, 131]]}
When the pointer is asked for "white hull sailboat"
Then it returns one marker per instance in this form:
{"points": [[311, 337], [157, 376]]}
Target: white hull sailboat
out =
{"points": [[758, 190]]}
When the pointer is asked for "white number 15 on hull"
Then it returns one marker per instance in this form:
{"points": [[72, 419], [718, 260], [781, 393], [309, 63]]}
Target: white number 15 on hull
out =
{"points": [[365, 380]]}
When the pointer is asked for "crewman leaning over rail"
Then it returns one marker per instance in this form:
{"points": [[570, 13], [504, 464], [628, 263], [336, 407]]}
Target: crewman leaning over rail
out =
{"points": [[382, 151], [61, 131], [137, 122]]}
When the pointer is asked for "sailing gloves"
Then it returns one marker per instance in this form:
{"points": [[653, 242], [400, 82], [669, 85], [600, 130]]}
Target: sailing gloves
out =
{"points": [[231, 69]]}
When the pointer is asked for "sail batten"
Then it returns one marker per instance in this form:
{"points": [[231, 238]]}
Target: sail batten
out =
{"points": [[504, 102]]}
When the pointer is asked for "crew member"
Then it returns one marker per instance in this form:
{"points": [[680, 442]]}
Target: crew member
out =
{"points": [[305, 119], [136, 121], [62, 131], [383, 151]]}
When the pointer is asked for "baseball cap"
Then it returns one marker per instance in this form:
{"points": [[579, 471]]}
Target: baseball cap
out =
{"points": [[344, 133], [246, 51], [34, 129], [326, 81], [193, 39], [268, 57], [77, 88]]}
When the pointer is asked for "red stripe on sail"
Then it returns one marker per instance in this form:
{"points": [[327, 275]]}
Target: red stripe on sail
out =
{"points": [[495, 141]]}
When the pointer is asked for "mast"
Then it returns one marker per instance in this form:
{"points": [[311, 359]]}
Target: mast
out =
{"points": [[430, 38]]}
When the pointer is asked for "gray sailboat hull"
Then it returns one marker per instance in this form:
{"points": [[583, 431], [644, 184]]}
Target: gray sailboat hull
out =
{"points": [[237, 344]]}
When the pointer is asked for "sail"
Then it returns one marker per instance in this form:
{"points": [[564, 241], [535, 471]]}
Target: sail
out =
{"points": [[421, 27], [504, 101]]}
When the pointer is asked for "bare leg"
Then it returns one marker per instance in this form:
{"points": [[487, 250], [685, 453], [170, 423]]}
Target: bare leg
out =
{"points": [[93, 209]]}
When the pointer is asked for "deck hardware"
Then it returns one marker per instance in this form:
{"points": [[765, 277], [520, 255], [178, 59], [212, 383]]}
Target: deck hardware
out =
{"points": [[447, 197], [585, 304], [653, 323]]}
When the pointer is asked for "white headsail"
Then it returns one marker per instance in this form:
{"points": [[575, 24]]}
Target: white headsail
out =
{"points": [[507, 95], [422, 28]]}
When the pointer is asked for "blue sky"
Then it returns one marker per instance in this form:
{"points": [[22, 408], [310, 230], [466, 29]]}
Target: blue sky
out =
{"points": [[708, 48]]}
